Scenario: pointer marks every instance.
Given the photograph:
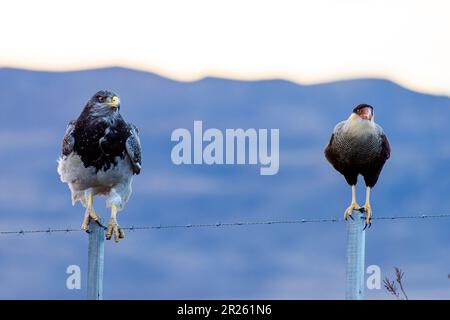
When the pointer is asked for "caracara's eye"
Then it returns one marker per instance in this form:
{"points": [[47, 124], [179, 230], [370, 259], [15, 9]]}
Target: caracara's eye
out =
{"points": [[101, 99]]}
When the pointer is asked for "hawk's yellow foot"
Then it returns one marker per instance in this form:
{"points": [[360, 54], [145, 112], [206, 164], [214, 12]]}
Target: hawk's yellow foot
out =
{"points": [[89, 214], [113, 227]]}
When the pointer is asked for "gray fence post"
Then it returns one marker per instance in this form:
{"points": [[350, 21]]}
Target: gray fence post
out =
{"points": [[356, 237], [96, 254]]}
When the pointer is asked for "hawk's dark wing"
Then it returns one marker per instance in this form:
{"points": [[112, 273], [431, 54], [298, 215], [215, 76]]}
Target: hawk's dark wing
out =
{"points": [[69, 139], [133, 146]]}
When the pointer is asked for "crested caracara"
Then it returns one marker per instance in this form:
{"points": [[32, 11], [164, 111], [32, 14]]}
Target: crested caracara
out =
{"points": [[359, 146]]}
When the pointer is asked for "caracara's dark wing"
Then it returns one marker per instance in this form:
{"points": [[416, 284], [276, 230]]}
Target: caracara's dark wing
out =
{"points": [[329, 154], [385, 147], [133, 146], [332, 150], [69, 140], [336, 154]]}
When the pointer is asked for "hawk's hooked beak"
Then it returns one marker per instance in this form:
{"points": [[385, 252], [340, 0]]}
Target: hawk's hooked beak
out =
{"points": [[115, 102]]}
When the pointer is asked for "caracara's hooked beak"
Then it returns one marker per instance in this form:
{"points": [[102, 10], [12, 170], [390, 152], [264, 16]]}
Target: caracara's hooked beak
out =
{"points": [[114, 102], [365, 113]]}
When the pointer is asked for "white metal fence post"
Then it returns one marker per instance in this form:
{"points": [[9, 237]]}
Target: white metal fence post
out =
{"points": [[356, 237], [96, 254]]}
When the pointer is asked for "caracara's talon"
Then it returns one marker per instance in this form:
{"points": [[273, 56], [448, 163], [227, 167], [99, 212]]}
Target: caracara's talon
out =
{"points": [[348, 212], [368, 219], [121, 233]]}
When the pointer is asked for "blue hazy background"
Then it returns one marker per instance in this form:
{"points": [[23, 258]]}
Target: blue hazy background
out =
{"points": [[304, 261]]}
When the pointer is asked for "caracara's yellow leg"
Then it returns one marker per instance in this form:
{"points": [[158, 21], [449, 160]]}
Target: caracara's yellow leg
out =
{"points": [[113, 227], [89, 213], [367, 207], [353, 206]]}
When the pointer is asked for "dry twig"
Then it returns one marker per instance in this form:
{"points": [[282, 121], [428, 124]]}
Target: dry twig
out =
{"points": [[392, 288]]}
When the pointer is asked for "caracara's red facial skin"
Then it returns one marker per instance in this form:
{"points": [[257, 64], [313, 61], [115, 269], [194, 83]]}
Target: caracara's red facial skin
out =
{"points": [[365, 113]]}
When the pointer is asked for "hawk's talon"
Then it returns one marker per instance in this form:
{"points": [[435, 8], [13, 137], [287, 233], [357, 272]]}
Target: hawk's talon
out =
{"points": [[109, 229], [114, 229], [85, 227], [89, 214]]}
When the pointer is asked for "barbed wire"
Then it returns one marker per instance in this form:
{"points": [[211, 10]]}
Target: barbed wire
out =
{"points": [[226, 224]]}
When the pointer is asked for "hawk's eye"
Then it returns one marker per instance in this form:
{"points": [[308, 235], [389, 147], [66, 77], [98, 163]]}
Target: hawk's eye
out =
{"points": [[101, 99]]}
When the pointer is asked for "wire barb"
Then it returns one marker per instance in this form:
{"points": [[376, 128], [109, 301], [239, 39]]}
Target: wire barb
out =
{"points": [[227, 224]]}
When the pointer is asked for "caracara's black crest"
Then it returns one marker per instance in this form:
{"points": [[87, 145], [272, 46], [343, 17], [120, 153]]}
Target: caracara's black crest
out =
{"points": [[361, 106]]}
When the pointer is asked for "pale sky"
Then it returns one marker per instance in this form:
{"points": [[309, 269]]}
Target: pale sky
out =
{"points": [[312, 41]]}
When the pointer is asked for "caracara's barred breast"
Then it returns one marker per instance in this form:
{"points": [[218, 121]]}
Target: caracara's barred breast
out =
{"points": [[357, 150], [354, 152]]}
